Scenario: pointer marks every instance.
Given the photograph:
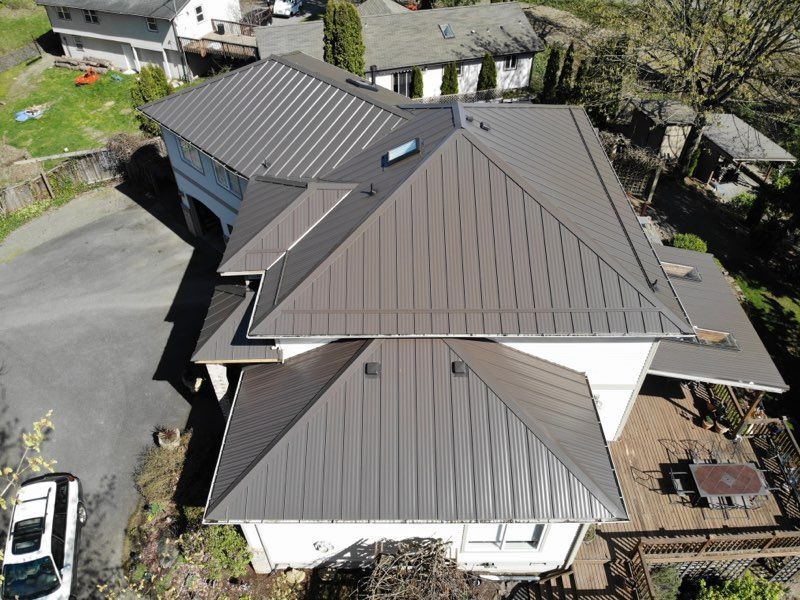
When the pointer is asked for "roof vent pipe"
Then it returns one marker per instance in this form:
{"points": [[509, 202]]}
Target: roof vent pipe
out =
{"points": [[485, 126], [372, 369], [373, 73]]}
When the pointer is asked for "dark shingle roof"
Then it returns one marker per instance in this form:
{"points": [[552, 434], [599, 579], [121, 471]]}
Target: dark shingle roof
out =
{"points": [[373, 8], [741, 141], [414, 37], [483, 253], [667, 112], [159, 9], [288, 116], [711, 304], [317, 439]]}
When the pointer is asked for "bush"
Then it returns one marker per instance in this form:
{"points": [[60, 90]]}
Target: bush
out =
{"points": [[747, 587], [151, 85], [159, 471], [220, 551], [416, 82], [449, 80], [690, 241], [342, 37], [742, 203], [666, 582], [487, 78]]}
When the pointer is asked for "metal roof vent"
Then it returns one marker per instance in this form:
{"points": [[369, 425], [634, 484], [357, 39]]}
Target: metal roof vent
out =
{"points": [[470, 118], [459, 368], [485, 126], [372, 369], [364, 85]]}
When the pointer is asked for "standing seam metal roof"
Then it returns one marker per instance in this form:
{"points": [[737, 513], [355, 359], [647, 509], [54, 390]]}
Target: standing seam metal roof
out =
{"points": [[516, 439]]}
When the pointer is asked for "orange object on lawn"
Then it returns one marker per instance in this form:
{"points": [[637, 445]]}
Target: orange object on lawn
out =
{"points": [[88, 78]]}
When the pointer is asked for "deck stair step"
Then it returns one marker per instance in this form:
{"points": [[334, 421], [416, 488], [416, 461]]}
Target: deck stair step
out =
{"points": [[553, 585]]}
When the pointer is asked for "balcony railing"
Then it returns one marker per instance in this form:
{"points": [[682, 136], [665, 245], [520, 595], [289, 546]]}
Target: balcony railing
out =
{"points": [[222, 27], [225, 49]]}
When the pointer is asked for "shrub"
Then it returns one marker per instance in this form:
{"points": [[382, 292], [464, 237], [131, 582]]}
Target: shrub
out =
{"points": [[487, 78], [689, 241], [449, 80], [158, 473], [416, 82], [666, 582], [747, 587], [151, 85], [564, 87], [742, 203], [342, 37], [220, 551]]}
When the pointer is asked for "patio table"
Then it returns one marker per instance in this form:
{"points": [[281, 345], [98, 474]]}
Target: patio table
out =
{"points": [[716, 480]]}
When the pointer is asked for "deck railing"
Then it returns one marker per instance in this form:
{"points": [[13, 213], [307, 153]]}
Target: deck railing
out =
{"points": [[222, 27], [206, 47]]}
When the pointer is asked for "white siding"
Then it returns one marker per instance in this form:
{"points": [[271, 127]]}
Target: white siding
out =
{"points": [[615, 369], [303, 545], [293, 347], [186, 22]]}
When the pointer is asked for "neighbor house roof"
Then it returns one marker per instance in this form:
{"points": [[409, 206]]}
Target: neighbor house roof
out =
{"points": [[288, 116], [372, 8], [711, 304], [223, 338], [159, 9], [513, 438], [454, 241], [668, 112], [407, 38], [743, 142]]}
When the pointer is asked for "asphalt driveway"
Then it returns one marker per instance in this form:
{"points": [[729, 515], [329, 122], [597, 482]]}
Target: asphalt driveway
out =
{"points": [[100, 304]]}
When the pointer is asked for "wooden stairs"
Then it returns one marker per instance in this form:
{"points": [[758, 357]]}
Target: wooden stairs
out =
{"points": [[553, 585]]}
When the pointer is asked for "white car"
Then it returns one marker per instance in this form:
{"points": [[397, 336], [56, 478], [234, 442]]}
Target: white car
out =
{"points": [[287, 8], [42, 545]]}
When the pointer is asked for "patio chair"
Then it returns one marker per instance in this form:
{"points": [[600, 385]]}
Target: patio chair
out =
{"points": [[684, 492]]}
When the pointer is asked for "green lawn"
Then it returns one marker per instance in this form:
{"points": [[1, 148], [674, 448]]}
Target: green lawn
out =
{"points": [[21, 25], [77, 118]]}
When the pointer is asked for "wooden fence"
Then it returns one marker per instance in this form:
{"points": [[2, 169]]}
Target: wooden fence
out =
{"points": [[88, 168]]}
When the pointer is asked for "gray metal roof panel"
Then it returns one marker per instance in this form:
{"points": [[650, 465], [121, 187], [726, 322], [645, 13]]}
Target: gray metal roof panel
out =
{"points": [[159, 9], [711, 304], [408, 38], [287, 116], [741, 141], [223, 338], [415, 443]]}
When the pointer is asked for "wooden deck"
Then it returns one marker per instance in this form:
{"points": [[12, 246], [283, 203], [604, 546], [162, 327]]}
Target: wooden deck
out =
{"points": [[662, 428]]}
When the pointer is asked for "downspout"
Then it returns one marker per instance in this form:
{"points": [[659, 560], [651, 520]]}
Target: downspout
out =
{"points": [[184, 63]]}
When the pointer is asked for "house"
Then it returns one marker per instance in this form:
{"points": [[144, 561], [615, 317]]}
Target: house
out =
{"points": [[134, 33], [661, 125], [397, 39], [439, 318]]}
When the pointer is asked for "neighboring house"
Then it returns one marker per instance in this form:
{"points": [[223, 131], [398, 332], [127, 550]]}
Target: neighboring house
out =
{"points": [[400, 39], [444, 313], [134, 33], [661, 125]]}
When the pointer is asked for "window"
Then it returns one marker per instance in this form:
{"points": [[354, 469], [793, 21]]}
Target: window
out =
{"points": [[401, 83], [447, 31], [64, 14], [79, 43], [90, 16], [710, 337], [400, 152], [510, 536], [199, 14], [152, 24], [510, 63], [675, 271], [191, 155], [227, 179]]}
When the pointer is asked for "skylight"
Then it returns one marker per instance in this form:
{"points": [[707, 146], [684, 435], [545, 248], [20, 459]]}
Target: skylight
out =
{"points": [[677, 271], [710, 337], [400, 152], [447, 31]]}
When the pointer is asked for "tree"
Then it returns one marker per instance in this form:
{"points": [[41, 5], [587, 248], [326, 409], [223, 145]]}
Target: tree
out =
{"points": [[31, 460], [151, 85], [606, 71], [746, 587], [450, 79], [487, 77], [416, 82], [706, 53], [342, 37], [551, 74], [580, 81], [564, 87]]}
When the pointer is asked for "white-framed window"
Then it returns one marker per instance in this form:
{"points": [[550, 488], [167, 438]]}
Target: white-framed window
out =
{"points": [[227, 179], [510, 63], [63, 13], [198, 12], [494, 537], [90, 16], [401, 83], [152, 24], [191, 155], [78, 43]]}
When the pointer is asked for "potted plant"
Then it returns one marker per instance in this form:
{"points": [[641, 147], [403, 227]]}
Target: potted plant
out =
{"points": [[169, 437], [708, 422], [720, 428]]}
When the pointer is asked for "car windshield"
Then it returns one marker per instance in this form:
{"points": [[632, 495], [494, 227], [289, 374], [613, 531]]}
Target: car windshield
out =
{"points": [[28, 580]]}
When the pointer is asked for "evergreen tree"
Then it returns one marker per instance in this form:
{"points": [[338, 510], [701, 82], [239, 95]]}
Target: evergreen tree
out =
{"points": [[416, 82], [564, 87], [342, 38], [487, 78], [579, 84], [450, 79], [151, 85], [551, 75]]}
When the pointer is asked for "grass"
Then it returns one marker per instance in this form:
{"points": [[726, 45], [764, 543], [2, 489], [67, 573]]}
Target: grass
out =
{"points": [[21, 22], [599, 13], [77, 118]]}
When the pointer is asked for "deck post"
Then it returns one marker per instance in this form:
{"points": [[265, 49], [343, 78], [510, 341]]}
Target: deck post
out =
{"points": [[750, 413]]}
